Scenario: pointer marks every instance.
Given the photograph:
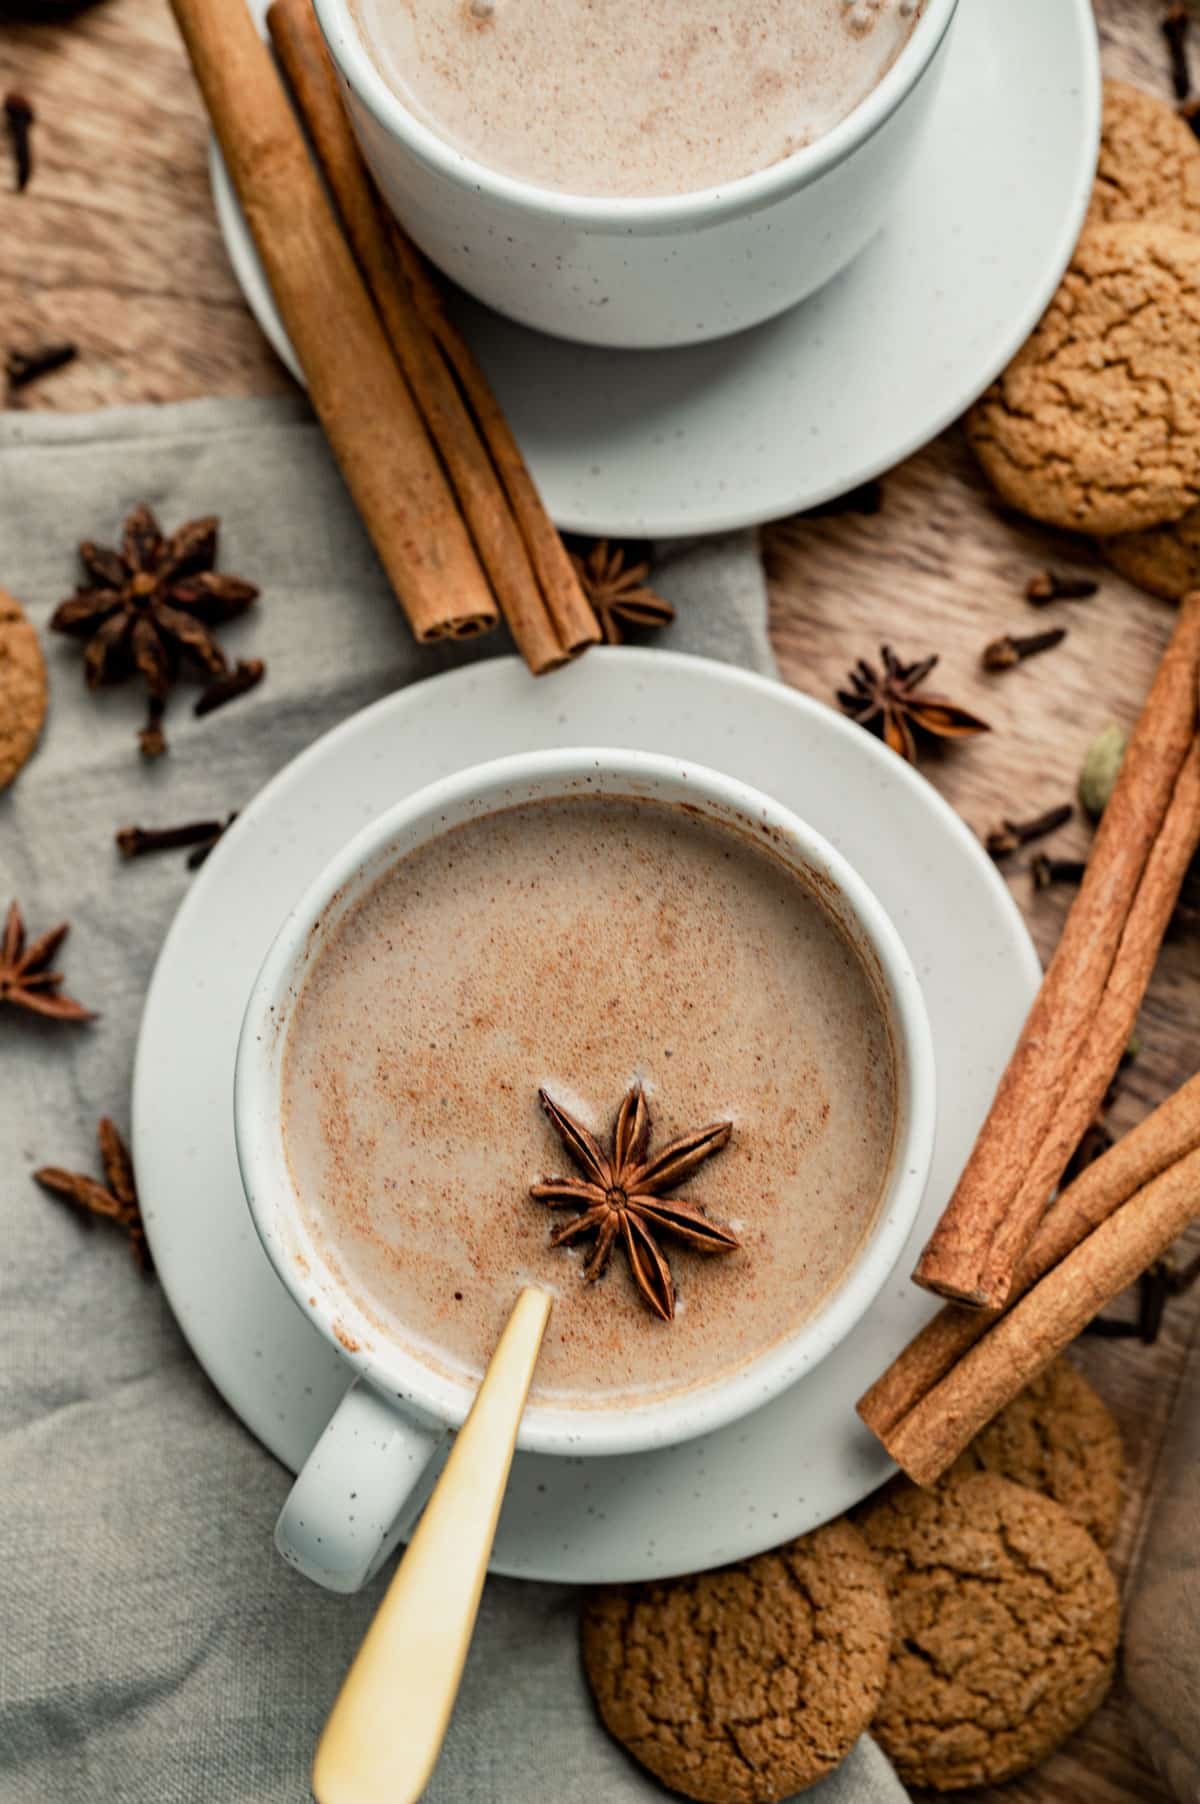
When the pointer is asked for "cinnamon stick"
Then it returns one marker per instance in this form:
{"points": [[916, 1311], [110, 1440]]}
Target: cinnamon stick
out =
{"points": [[1166, 1135], [1024, 1340], [305, 61], [994, 1211], [357, 388], [569, 608], [1132, 969]]}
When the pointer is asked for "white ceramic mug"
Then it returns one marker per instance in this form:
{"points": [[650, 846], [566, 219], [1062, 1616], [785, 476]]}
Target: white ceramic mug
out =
{"points": [[668, 270], [362, 1484]]}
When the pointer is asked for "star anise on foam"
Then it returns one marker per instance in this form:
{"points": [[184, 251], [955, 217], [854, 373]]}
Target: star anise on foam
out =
{"points": [[150, 605], [26, 979], [116, 1199], [621, 1194], [619, 596], [890, 703]]}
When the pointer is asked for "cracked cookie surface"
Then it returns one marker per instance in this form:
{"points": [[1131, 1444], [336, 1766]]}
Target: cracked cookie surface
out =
{"points": [[22, 688], [1149, 167], [1095, 424], [1057, 1437], [1006, 1618], [745, 1685], [1164, 560]]}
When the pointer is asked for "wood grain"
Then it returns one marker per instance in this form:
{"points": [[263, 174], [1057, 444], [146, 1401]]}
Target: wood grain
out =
{"points": [[114, 244]]}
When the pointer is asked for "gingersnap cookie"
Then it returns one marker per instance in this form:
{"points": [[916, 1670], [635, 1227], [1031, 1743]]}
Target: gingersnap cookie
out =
{"points": [[22, 688], [745, 1685], [1149, 165], [1006, 1619], [1095, 424], [1164, 560], [1059, 1438]]}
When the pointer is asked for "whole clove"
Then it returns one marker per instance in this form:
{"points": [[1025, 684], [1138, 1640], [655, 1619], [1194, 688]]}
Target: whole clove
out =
{"points": [[199, 836], [1106, 1327], [198, 854], [1156, 1288], [24, 367], [135, 842], [1056, 870], [1011, 648], [1175, 31], [1050, 585], [1153, 1293], [19, 117], [1010, 834]]}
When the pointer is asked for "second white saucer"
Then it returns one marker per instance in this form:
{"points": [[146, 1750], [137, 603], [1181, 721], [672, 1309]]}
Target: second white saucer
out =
{"points": [[667, 443], [770, 1475]]}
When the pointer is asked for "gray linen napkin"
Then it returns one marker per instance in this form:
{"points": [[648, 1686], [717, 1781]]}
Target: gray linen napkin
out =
{"points": [[155, 1648]]}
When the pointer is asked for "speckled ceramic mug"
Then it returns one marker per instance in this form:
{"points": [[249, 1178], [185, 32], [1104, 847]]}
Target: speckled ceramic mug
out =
{"points": [[363, 1482], [670, 270]]}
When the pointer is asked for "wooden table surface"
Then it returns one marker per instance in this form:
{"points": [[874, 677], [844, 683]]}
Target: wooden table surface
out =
{"points": [[114, 245]]}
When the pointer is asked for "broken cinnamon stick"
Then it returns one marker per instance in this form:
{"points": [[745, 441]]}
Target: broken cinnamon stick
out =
{"points": [[300, 47], [355, 383], [1167, 1135], [994, 1211], [1023, 1341]]}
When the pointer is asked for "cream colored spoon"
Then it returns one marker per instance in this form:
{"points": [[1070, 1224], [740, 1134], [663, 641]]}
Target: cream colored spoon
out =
{"points": [[389, 1720]]}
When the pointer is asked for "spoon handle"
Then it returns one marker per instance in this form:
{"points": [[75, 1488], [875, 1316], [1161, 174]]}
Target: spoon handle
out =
{"points": [[387, 1725]]}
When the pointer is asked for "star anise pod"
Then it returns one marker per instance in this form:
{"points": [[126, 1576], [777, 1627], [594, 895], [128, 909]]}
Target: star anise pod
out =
{"points": [[116, 1198], [26, 979], [891, 704], [621, 1194], [150, 605], [618, 595]]}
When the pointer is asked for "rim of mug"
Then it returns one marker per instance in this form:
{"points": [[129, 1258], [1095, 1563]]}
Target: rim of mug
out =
{"points": [[632, 214], [398, 1372]]}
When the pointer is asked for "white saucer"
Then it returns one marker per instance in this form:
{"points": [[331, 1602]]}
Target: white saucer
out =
{"points": [[802, 1458], [660, 444]]}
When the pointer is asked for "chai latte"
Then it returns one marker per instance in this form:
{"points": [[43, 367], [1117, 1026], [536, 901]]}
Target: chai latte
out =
{"points": [[582, 945], [621, 97]]}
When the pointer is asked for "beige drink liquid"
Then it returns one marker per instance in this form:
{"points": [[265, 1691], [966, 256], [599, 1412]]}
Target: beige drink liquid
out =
{"points": [[581, 945], [633, 97]]}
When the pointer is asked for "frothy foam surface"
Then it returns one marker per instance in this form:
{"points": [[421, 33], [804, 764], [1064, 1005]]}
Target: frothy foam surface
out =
{"points": [[580, 945], [616, 97]]}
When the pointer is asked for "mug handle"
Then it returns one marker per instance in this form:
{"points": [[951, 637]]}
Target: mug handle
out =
{"points": [[357, 1492]]}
